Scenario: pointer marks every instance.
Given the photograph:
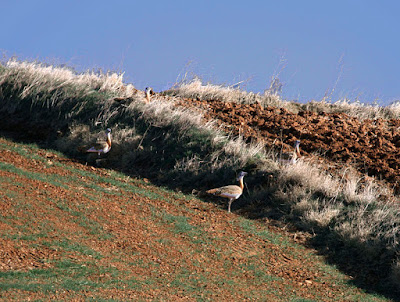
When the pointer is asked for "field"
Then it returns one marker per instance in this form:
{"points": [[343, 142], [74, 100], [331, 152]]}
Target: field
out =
{"points": [[72, 231], [136, 224]]}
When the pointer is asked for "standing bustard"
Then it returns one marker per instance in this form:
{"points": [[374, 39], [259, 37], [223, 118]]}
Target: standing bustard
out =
{"points": [[148, 92], [232, 192], [103, 147], [291, 157]]}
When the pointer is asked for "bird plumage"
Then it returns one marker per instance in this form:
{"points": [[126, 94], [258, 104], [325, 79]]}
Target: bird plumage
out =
{"points": [[291, 157], [148, 93], [232, 192], [102, 147]]}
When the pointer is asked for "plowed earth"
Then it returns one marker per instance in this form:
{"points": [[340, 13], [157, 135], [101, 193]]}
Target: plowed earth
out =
{"points": [[370, 146], [73, 232]]}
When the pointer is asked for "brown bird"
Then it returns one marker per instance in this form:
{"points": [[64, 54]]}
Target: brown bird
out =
{"points": [[291, 157], [99, 148], [148, 92], [231, 192]]}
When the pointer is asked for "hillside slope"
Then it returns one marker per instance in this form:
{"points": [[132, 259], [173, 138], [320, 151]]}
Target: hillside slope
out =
{"points": [[71, 231], [370, 146], [352, 219]]}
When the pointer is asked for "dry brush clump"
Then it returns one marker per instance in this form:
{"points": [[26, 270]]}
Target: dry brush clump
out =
{"points": [[196, 89], [43, 78], [175, 147], [359, 219], [356, 109]]}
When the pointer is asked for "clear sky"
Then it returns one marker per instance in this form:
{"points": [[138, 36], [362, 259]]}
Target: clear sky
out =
{"points": [[313, 46]]}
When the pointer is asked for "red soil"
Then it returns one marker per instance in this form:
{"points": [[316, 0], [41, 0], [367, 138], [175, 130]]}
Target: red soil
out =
{"points": [[371, 146]]}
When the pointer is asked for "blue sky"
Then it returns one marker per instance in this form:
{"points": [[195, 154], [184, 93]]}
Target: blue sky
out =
{"points": [[313, 46]]}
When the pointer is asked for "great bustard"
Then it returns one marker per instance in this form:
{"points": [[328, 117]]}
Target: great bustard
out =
{"points": [[231, 192], [103, 147], [291, 157], [148, 92]]}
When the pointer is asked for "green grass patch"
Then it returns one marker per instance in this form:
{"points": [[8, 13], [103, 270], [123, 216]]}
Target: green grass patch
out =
{"points": [[65, 275], [80, 217], [250, 227], [181, 225], [259, 271], [71, 246], [53, 179]]}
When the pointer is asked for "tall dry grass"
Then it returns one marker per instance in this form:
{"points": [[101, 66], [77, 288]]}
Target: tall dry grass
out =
{"points": [[46, 78], [174, 147], [196, 89]]}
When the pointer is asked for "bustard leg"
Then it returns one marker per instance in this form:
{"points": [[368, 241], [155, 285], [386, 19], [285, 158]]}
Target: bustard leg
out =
{"points": [[229, 204]]}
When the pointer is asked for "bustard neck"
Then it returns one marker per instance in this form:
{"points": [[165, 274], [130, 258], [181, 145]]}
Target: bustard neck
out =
{"points": [[109, 139], [241, 183]]}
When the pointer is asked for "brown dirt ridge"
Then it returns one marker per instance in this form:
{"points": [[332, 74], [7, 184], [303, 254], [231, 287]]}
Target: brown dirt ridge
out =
{"points": [[371, 146]]}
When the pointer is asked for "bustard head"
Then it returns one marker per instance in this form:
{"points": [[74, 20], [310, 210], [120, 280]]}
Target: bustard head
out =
{"points": [[241, 175]]}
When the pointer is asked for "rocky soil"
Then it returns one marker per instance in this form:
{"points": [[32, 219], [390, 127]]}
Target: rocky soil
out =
{"points": [[370, 146]]}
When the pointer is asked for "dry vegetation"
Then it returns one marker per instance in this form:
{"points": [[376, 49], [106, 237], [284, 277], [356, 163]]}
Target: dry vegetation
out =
{"points": [[353, 219], [196, 89]]}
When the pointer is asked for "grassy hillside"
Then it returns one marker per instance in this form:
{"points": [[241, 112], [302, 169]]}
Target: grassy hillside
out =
{"points": [[74, 232], [356, 225]]}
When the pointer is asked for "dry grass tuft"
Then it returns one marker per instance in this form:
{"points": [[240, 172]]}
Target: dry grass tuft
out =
{"points": [[43, 78], [322, 216], [196, 89]]}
